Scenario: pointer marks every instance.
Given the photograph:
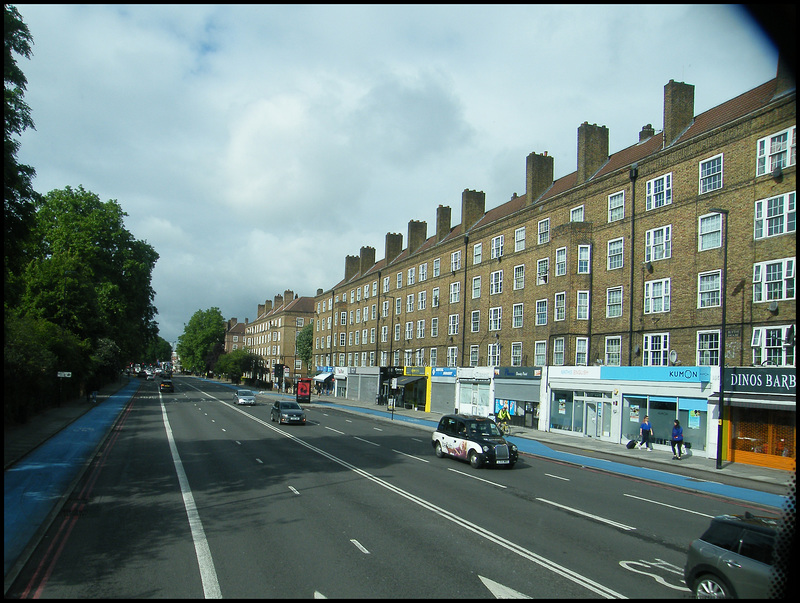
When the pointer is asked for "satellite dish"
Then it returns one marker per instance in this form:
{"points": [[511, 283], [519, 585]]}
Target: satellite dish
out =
{"points": [[773, 306], [673, 356]]}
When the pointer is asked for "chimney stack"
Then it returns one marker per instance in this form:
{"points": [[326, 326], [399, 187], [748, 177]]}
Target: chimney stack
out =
{"points": [[351, 265], [367, 259], [647, 132], [442, 222], [417, 235], [394, 246], [538, 175], [678, 110], [473, 206], [592, 150]]}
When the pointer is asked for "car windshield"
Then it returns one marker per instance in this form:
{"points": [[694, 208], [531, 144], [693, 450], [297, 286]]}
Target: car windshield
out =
{"points": [[244, 392], [290, 406], [485, 428]]}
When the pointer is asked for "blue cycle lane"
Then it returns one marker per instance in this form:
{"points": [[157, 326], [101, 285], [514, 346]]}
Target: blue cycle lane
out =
{"points": [[33, 488]]}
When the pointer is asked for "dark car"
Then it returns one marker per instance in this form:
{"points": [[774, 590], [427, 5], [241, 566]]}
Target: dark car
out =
{"points": [[287, 412], [166, 386], [733, 558], [473, 439]]}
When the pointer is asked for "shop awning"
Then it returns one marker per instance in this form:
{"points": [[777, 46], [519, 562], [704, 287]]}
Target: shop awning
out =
{"points": [[405, 380], [753, 400], [323, 376]]}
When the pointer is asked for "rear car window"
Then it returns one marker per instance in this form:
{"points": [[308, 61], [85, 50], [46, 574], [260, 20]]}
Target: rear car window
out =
{"points": [[723, 535], [758, 546]]}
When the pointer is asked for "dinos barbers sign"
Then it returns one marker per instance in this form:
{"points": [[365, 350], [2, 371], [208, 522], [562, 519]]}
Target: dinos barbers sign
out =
{"points": [[765, 380]]}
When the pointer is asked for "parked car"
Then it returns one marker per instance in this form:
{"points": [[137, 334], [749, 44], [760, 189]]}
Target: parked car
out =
{"points": [[244, 396], [733, 558], [166, 386], [287, 412], [473, 439]]}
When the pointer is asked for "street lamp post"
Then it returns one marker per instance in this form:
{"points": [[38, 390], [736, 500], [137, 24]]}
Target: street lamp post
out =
{"points": [[724, 213]]}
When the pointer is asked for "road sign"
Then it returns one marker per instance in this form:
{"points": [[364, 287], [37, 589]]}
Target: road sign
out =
{"points": [[63, 374]]}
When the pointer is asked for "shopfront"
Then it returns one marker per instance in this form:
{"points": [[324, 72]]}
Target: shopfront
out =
{"points": [[362, 383], [411, 389], [323, 380], [443, 389], [474, 390], [340, 381], [518, 388]]}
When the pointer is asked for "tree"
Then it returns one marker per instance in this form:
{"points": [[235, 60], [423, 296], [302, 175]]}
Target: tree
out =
{"points": [[158, 350], [18, 193], [305, 343], [235, 364], [202, 340], [88, 274]]}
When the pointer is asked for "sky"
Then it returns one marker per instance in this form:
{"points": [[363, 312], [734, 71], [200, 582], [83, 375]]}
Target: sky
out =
{"points": [[254, 147]]}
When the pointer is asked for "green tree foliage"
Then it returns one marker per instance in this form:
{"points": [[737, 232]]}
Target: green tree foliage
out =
{"points": [[18, 193], [305, 343], [158, 350], [88, 274], [236, 363], [202, 341]]}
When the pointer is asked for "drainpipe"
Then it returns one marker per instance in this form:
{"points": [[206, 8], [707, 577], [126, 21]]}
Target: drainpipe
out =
{"points": [[633, 174], [464, 303]]}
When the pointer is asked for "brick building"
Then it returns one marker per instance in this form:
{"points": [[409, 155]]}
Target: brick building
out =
{"points": [[621, 263]]}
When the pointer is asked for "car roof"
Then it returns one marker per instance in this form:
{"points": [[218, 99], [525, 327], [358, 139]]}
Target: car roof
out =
{"points": [[759, 522], [467, 417]]}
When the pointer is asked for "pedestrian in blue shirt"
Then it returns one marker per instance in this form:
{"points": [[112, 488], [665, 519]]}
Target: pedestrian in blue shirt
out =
{"points": [[677, 440], [645, 430]]}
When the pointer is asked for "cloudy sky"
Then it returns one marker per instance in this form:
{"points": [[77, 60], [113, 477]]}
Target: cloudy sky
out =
{"points": [[254, 147]]}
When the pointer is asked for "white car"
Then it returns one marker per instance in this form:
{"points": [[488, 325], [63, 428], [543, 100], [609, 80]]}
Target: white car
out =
{"points": [[244, 396]]}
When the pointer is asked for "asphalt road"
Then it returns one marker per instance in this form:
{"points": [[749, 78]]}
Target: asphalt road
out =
{"points": [[193, 497]]}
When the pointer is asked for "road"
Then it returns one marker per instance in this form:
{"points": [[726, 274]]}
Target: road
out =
{"points": [[194, 497]]}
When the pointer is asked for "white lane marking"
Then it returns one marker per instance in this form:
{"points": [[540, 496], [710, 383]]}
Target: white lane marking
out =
{"points": [[365, 441], [208, 573], [489, 535], [416, 439], [480, 479], [499, 591], [259, 461], [566, 479], [411, 456], [616, 524], [655, 502], [377, 429], [359, 546], [293, 489], [334, 430]]}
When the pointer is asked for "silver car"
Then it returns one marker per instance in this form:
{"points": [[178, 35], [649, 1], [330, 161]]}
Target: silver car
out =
{"points": [[244, 396], [733, 558]]}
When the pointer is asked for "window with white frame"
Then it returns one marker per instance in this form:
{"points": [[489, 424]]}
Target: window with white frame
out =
{"points": [[493, 353], [399, 283], [776, 151], [709, 232], [435, 297], [581, 351], [775, 216], [423, 272], [540, 353], [656, 296], [497, 246], [412, 272], [516, 353], [410, 302], [519, 277], [658, 244], [658, 192], [434, 327], [455, 261], [584, 259], [420, 329], [613, 355], [541, 312], [558, 351], [384, 334], [614, 302], [452, 356], [616, 206], [386, 284], [436, 267], [516, 316], [496, 282], [656, 349], [544, 231], [385, 310], [707, 348], [455, 292], [519, 239], [398, 306], [476, 287], [476, 321], [495, 318], [615, 251], [477, 253], [709, 292], [397, 332], [542, 269], [366, 291], [773, 280], [452, 324], [576, 214], [711, 174], [582, 310], [769, 345], [561, 261], [434, 357], [560, 310], [422, 300], [474, 355]]}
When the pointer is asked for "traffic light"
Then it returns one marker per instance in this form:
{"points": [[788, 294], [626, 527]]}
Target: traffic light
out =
{"points": [[279, 371]]}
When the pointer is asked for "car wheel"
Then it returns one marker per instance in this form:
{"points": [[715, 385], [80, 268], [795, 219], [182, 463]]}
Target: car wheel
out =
{"points": [[438, 450], [709, 586], [475, 459]]}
